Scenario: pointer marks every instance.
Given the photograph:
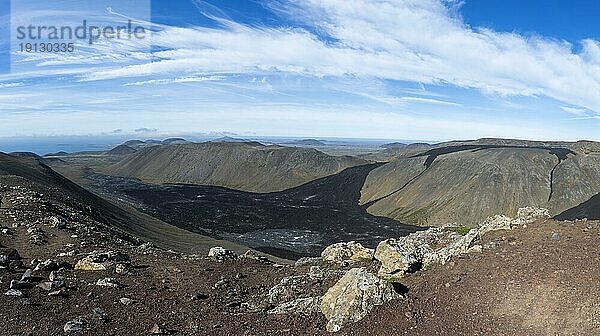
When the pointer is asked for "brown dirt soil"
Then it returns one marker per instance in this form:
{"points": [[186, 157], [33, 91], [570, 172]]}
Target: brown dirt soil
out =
{"points": [[528, 284]]}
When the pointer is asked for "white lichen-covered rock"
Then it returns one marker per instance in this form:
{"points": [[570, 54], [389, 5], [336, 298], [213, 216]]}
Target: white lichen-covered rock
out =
{"points": [[287, 289], [354, 296], [316, 273], [56, 222], [402, 255], [457, 247], [220, 253], [308, 261], [303, 306], [395, 259], [340, 252], [101, 261], [498, 222], [529, 215], [438, 245]]}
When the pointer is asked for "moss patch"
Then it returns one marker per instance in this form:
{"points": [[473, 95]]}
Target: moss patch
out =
{"points": [[461, 230]]}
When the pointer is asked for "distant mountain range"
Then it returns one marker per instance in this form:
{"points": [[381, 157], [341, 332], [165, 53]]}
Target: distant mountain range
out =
{"points": [[307, 142], [425, 184]]}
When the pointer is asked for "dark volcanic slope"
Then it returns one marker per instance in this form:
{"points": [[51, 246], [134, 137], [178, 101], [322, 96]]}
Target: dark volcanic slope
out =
{"points": [[128, 224], [243, 166], [589, 209], [296, 222], [466, 182]]}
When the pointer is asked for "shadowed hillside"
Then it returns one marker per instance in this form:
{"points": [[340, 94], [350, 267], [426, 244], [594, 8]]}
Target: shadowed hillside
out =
{"points": [[126, 223], [243, 166]]}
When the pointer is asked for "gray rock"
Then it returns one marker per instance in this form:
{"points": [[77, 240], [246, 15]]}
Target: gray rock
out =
{"points": [[27, 276], [288, 289], [50, 265], [56, 222], [13, 292], [340, 252], [75, 325], [316, 273], [101, 261], [51, 285], [126, 301], [109, 282], [304, 306], [159, 330], [16, 284], [555, 236], [100, 314], [219, 253], [4, 260]]}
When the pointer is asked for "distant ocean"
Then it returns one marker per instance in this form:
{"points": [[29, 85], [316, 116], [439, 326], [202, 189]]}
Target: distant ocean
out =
{"points": [[46, 145]]}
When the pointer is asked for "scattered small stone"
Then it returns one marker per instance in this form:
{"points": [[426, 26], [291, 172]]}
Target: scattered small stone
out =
{"points": [[308, 261], [159, 330], [220, 254], [27, 276], [100, 314], [316, 273], [199, 296], [55, 276], [123, 268], [71, 253], [27, 302], [126, 301], [14, 292], [75, 325], [109, 282], [60, 292], [57, 222]]}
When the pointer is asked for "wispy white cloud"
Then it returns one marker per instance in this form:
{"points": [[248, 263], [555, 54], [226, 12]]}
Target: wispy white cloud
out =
{"points": [[410, 40], [344, 60], [190, 79], [574, 110]]}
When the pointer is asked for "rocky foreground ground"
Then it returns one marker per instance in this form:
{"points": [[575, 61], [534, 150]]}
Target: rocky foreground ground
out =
{"points": [[62, 272]]}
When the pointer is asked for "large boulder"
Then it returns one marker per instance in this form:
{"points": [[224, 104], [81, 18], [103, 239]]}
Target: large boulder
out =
{"points": [[405, 254], [354, 296], [340, 252], [395, 259]]}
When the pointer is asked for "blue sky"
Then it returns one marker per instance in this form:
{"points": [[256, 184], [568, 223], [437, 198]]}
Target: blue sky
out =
{"points": [[405, 69]]}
